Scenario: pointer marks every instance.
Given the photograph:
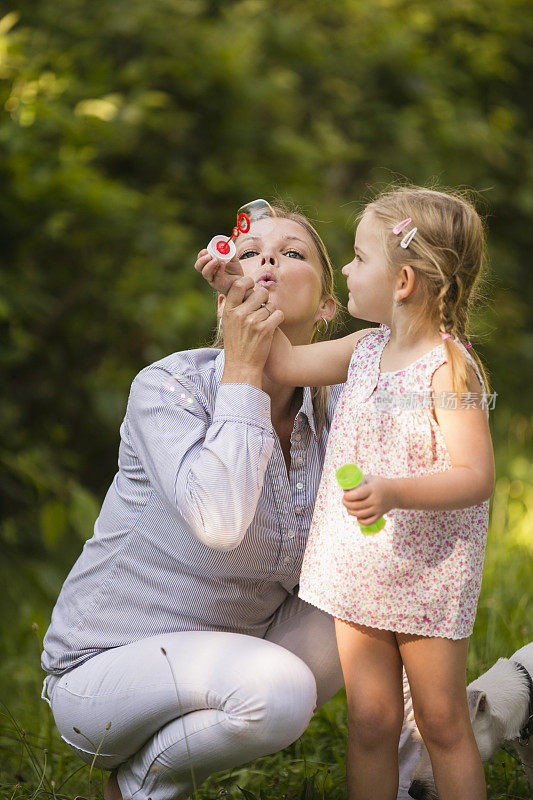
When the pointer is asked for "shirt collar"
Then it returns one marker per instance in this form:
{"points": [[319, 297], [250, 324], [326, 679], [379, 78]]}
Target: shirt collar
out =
{"points": [[220, 360], [307, 408], [307, 404]]}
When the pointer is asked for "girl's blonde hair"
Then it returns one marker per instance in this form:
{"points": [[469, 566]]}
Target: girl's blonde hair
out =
{"points": [[448, 256], [319, 394]]}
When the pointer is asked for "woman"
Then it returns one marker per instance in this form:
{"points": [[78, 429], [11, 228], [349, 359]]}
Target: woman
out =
{"points": [[178, 646]]}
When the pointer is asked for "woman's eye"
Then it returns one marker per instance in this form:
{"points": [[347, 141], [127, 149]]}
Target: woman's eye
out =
{"points": [[358, 257], [248, 254], [294, 254]]}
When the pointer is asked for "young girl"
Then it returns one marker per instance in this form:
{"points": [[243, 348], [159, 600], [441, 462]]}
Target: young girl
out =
{"points": [[414, 418]]}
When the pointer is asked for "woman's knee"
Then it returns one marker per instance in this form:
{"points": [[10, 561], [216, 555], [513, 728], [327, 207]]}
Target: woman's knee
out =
{"points": [[279, 697]]}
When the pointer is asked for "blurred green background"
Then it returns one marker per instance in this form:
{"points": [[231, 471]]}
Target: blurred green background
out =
{"points": [[132, 130]]}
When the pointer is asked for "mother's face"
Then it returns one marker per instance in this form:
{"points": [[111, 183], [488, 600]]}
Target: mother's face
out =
{"points": [[280, 255]]}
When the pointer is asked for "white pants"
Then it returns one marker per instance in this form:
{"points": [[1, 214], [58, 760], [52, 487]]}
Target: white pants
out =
{"points": [[215, 701]]}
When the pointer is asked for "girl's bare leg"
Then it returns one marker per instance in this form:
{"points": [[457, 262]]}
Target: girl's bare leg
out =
{"points": [[372, 671], [436, 669]]}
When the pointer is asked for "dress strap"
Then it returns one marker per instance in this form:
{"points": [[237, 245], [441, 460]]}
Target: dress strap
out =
{"points": [[437, 358], [432, 361]]}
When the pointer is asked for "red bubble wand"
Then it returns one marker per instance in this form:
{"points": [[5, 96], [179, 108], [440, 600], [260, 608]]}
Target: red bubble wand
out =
{"points": [[222, 247]]}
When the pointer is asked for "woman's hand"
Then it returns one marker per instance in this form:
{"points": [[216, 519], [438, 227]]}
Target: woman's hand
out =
{"points": [[220, 275], [249, 326], [371, 499]]}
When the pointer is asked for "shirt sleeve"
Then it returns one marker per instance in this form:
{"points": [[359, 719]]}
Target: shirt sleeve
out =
{"points": [[207, 465]]}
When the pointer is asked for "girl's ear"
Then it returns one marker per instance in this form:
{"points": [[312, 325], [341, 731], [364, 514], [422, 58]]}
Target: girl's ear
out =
{"points": [[405, 283], [221, 300]]}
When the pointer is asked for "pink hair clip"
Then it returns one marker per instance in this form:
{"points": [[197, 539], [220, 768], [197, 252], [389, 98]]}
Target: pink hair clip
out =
{"points": [[401, 225], [446, 336], [407, 239], [468, 344]]}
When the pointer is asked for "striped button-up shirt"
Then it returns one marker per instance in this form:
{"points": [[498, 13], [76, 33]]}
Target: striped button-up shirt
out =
{"points": [[202, 527]]}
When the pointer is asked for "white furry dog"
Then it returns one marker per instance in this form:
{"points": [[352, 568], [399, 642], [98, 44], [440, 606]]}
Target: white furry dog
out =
{"points": [[500, 703]]}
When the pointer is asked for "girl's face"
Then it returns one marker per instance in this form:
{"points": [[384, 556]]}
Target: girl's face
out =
{"points": [[280, 255], [368, 276]]}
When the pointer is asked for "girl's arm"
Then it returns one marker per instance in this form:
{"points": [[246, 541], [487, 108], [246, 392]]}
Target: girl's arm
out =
{"points": [[470, 480], [318, 364], [467, 437]]}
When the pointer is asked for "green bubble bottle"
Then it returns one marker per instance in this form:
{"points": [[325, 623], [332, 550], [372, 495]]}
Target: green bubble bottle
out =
{"points": [[349, 476]]}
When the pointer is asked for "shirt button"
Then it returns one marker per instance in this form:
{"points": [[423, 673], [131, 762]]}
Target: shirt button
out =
{"points": [[291, 534], [299, 486], [299, 461], [287, 560], [298, 509], [297, 437]]}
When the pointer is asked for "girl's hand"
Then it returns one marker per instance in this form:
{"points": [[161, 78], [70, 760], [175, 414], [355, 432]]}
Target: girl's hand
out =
{"points": [[370, 500], [221, 276]]}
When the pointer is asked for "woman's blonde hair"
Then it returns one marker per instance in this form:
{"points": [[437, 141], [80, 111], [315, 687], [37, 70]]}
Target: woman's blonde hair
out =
{"points": [[319, 394], [448, 256]]}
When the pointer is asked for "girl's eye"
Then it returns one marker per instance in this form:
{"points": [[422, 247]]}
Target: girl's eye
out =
{"points": [[295, 254], [248, 254], [358, 257]]}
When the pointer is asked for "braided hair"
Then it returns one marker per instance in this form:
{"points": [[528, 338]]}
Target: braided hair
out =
{"points": [[447, 254]]}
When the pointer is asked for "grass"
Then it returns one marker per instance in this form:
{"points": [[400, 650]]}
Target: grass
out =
{"points": [[35, 764]]}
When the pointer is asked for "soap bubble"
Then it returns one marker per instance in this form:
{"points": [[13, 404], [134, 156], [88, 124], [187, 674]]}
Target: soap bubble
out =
{"points": [[175, 393], [259, 210]]}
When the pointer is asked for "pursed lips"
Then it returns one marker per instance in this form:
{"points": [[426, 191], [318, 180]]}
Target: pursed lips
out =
{"points": [[266, 279]]}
